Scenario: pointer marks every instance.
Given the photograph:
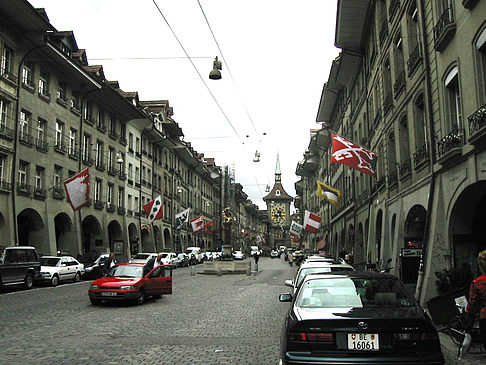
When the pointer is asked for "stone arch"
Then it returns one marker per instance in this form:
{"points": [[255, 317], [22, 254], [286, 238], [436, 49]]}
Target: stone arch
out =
{"points": [[147, 243], [92, 234], [32, 230], [4, 232], [115, 239], [467, 225], [133, 239], [378, 234], [168, 241], [414, 227], [66, 240], [159, 245]]}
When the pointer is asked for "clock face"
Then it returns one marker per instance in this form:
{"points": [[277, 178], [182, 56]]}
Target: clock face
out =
{"points": [[278, 214]]}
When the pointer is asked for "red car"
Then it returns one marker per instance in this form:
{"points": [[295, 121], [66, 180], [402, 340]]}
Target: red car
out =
{"points": [[129, 282]]}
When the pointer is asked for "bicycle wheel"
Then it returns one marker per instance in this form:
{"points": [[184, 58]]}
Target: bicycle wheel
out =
{"points": [[455, 330]]}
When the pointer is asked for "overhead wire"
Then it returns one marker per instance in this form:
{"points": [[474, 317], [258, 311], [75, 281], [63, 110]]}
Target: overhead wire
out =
{"points": [[227, 66], [197, 71]]}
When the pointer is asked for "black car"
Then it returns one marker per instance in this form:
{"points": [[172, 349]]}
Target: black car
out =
{"points": [[19, 265], [357, 318], [94, 270]]}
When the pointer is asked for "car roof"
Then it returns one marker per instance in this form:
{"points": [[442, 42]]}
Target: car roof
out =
{"points": [[324, 264], [57, 257], [350, 274]]}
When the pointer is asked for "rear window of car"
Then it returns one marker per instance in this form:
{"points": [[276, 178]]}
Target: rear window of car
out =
{"points": [[353, 292], [49, 261]]}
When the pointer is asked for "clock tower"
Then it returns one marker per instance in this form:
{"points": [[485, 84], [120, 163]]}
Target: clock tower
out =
{"points": [[278, 210]]}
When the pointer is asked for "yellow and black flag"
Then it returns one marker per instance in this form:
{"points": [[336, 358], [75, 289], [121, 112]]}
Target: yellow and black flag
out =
{"points": [[326, 192]]}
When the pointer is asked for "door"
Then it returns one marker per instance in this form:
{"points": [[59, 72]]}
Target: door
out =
{"points": [[9, 267], [65, 270], [157, 282]]}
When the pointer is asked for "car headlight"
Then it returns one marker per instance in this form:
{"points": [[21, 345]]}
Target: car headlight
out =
{"points": [[89, 268], [94, 287], [127, 287]]}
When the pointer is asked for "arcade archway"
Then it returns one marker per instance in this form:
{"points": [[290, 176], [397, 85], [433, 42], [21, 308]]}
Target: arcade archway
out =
{"points": [[31, 230], [92, 237], [66, 240]]}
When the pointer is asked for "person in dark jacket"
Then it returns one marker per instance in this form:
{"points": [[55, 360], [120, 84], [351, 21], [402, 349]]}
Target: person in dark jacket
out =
{"points": [[476, 305], [109, 263]]}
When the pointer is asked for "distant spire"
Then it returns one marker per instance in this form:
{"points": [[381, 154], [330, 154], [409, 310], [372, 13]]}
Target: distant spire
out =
{"points": [[278, 173]]}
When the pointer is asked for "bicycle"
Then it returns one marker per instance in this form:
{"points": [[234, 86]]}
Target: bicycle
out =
{"points": [[456, 328]]}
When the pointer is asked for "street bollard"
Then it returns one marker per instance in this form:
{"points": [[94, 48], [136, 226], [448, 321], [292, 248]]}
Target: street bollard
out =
{"points": [[218, 271], [256, 266], [193, 270], [248, 269]]}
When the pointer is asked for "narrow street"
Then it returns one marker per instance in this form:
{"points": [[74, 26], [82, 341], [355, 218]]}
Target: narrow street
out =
{"points": [[229, 319]]}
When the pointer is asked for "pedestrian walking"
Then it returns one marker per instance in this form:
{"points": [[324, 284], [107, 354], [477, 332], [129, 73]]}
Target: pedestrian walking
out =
{"points": [[109, 263], [152, 264], [476, 305], [256, 257], [291, 258]]}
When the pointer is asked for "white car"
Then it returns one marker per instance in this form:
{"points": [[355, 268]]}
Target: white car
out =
{"points": [[142, 257], [169, 258], [55, 269], [238, 255]]}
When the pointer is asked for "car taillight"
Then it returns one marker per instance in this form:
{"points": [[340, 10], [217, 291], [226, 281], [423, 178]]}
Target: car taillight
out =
{"points": [[311, 337], [415, 336]]}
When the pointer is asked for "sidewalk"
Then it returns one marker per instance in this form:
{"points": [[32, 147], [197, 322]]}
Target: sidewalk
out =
{"points": [[450, 350]]}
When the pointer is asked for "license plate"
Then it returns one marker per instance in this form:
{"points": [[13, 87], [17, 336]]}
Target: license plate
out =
{"points": [[108, 293], [363, 341]]}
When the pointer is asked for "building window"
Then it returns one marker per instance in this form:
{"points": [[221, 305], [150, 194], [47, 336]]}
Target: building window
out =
{"points": [[24, 124], [480, 46], [97, 192], [72, 141], [88, 111], [41, 130], [120, 196], [130, 141], [39, 178], [453, 99], [130, 171], [59, 133], [62, 91], [113, 126], [2, 166], [75, 101], [44, 83], [129, 202], [99, 153], [101, 118], [27, 78], [137, 144], [7, 61], [111, 156], [57, 176], [23, 171], [412, 23], [123, 132], [419, 119], [86, 147], [3, 115], [109, 194]]}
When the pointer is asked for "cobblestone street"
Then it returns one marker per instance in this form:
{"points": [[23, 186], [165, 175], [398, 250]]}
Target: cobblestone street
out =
{"points": [[229, 319]]}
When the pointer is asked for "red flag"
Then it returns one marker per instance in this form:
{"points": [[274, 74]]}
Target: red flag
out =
{"points": [[197, 224], [208, 228], [349, 153], [311, 222], [77, 189], [153, 209]]}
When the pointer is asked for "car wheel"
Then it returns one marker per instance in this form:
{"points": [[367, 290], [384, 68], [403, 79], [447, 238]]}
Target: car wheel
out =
{"points": [[140, 297], [95, 301], [29, 281], [54, 280], [77, 277]]}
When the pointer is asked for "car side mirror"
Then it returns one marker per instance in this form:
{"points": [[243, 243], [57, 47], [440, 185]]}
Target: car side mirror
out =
{"points": [[286, 297], [289, 283]]}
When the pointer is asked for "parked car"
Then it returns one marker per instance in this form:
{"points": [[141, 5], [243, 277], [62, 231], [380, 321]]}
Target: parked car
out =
{"points": [[274, 254], [316, 267], [95, 269], [142, 257], [19, 265], [169, 258], [238, 255], [182, 260], [126, 282], [195, 254], [254, 250], [362, 318], [55, 269]]}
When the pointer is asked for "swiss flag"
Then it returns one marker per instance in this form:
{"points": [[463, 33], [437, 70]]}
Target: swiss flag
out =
{"points": [[153, 209], [77, 189], [349, 153], [311, 222]]}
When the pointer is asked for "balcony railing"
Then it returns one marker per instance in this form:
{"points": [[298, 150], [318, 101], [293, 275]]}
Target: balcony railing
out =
{"points": [[6, 131], [98, 204], [469, 4], [121, 210], [60, 146], [477, 125], [387, 103], [73, 152], [41, 145], [24, 189], [414, 60], [5, 186], [420, 156], [26, 138], [100, 165], [399, 85], [392, 177], [40, 193], [87, 160], [122, 175], [450, 145], [444, 30], [129, 212], [405, 169], [58, 192], [111, 208]]}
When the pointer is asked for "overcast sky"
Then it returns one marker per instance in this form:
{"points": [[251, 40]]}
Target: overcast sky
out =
{"points": [[278, 55]]}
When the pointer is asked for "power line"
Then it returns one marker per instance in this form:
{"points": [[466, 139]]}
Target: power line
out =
{"points": [[200, 76], [227, 66], [143, 58]]}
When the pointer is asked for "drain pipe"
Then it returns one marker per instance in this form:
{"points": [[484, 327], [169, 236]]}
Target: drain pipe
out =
{"points": [[432, 154]]}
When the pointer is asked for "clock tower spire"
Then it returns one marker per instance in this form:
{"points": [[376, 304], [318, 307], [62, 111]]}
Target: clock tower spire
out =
{"points": [[278, 173]]}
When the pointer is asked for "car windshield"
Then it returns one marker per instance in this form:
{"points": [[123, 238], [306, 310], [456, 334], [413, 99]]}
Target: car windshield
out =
{"points": [[164, 255], [130, 271], [345, 292], [309, 270], [181, 255], [141, 256], [49, 261]]}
